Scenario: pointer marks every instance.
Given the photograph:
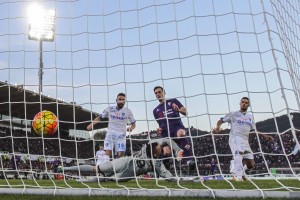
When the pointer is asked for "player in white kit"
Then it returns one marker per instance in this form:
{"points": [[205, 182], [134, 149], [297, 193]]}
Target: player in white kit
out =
{"points": [[231, 169], [241, 124], [118, 118], [101, 156]]}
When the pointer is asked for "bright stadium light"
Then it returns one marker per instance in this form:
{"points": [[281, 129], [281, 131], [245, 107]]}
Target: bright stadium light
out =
{"points": [[41, 24], [41, 28]]}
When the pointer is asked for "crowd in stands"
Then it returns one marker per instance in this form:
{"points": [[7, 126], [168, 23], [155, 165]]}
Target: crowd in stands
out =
{"points": [[206, 146]]}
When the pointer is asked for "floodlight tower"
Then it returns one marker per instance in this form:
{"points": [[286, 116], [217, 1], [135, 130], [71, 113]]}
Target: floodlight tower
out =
{"points": [[41, 28]]}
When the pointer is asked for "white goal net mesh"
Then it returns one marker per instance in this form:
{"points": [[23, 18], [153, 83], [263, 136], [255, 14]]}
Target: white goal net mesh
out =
{"points": [[207, 54]]}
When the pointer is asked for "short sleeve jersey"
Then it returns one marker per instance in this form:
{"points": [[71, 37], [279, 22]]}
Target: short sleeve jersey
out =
{"points": [[118, 119], [100, 154], [241, 124], [165, 111]]}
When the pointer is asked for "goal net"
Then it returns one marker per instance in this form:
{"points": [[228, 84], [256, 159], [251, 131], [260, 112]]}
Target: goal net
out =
{"points": [[73, 57]]}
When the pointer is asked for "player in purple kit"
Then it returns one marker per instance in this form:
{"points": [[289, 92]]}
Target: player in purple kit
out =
{"points": [[213, 167], [170, 124], [16, 160], [55, 165]]}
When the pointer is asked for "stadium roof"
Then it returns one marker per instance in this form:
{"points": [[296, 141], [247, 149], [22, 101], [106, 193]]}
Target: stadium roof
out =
{"points": [[17, 102]]}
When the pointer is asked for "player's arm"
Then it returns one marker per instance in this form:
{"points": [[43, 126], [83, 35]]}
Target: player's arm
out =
{"points": [[132, 122], [183, 110], [162, 170], [158, 130], [173, 145], [264, 135], [218, 126], [131, 127], [177, 106], [95, 121]]}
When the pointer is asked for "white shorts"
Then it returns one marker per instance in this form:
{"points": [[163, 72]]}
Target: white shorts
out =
{"points": [[238, 144], [115, 141]]}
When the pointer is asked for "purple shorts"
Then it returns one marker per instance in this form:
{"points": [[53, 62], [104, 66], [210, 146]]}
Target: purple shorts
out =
{"points": [[173, 132]]}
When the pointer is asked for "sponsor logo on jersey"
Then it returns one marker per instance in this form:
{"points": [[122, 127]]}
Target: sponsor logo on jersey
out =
{"points": [[170, 111], [117, 117], [241, 122]]}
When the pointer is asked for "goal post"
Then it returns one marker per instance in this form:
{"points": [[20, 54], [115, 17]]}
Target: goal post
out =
{"points": [[207, 54]]}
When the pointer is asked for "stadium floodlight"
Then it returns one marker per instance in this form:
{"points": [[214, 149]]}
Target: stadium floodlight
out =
{"points": [[41, 24], [41, 28]]}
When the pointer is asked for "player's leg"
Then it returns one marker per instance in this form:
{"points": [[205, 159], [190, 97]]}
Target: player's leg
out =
{"points": [[181, 135], [92, 180], [248, 155], [249, 163], [113, 167], [248, 159], [237, 157], [81, 168], [108, 145], [120, 146], [232, 171], [98, 178], [185, 145], [104, 171]]}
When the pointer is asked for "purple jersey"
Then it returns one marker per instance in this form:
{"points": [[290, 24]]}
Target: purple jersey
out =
{"points": [[173, 116], [15, 161], [213, 165], [56, 163]]}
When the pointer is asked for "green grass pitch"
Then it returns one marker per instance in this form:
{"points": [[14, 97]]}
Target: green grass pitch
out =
{"points": [[272, 185]]}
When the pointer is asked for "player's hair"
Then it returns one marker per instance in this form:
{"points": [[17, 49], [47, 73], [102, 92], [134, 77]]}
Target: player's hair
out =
{"points": [[157, 87], [162, 149], [121, 94], [164, 145], [245, 98], [150, 148]]}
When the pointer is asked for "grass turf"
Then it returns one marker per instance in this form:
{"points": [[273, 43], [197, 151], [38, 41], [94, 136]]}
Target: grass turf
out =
{"points": [[272, 185], [39, 197], [294, 185]]}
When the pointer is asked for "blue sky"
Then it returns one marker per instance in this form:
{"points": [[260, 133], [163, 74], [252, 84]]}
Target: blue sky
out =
{"points": [[208, 54]]}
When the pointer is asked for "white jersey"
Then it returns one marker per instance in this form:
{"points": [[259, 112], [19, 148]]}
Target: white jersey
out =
{"points": [[101, 158], [118, 119], [241, 124]]}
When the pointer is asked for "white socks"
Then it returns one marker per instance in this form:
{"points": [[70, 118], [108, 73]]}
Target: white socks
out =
{"points": [[238, 166]]}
